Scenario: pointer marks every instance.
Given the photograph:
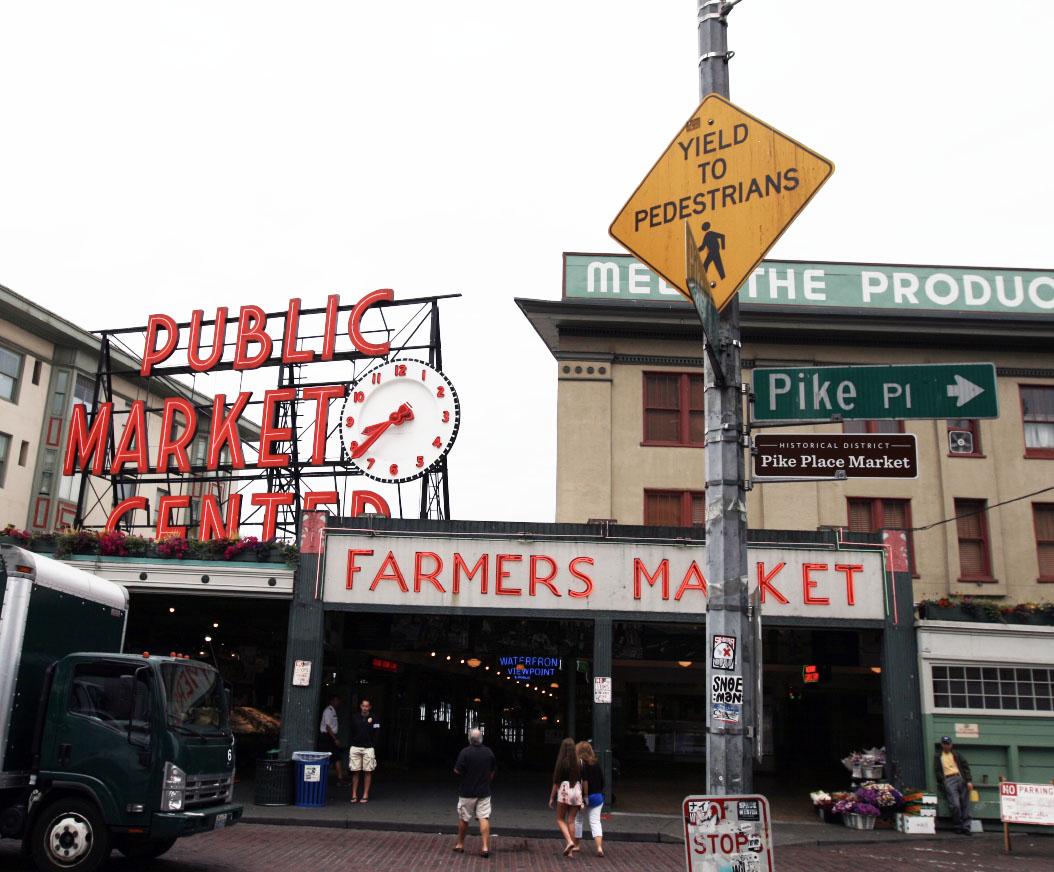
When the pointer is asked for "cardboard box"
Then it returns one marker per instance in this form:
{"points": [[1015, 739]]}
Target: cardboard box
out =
{"points": [[921, 797], [918, 809], [916, 824]]}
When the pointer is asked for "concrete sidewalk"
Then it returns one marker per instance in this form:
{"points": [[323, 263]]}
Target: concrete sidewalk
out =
{"points": [[425, 803]]}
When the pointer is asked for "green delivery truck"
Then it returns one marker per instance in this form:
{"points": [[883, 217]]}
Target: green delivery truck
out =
{"points": [[99, 749]]}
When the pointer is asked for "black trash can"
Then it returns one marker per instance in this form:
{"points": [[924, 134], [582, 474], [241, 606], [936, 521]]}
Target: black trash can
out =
{"points": [[274, 782]]}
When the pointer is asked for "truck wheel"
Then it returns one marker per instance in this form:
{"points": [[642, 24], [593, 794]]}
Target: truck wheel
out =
{"points": [[144, 849], [70, 836]]}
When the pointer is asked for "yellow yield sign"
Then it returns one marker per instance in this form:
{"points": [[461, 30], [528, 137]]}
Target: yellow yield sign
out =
{"points": [[737, 182]]}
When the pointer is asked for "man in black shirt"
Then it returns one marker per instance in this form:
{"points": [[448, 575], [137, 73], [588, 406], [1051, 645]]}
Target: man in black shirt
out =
{"points": [[362, 757], [476, 766]]}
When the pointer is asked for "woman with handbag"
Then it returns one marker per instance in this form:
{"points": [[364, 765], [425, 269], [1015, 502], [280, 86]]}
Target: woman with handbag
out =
{"points": [[567, 792], [593, 790]]}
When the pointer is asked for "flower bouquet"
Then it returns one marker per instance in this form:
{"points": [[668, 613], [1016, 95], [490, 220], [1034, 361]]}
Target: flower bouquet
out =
{"points": [[866, 764]]}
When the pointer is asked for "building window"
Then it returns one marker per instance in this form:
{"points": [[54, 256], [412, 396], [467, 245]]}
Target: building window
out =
{"points": [[37, 367], [674, 508], [673, 409], [58, 399], [1037, 411], [23, 453], [972, 524], [869, 515], [964, 437], [5, 450], [872, 426], [10, 368], [84, 391], [1043, 514], [1001, 688]]}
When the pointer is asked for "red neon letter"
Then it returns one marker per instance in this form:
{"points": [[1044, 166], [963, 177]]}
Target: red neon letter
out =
{"points": [[849, 570], [164, 506], [808, 584], [460, 566], [502, 574], [292, 326], [354, 322], [329, 338], [420, 575], [394, 573], [321, 395], [363, 500], [219, 336], [134, 429], [547, 581], [640, 572], [269, 432], [176, 447], [581, 576], [211, 525], [252, 326], [153, 355], [352, 568], [271, 503], [763, 583], [226, 430], [122, 508], [82, 443], [694, 572]]}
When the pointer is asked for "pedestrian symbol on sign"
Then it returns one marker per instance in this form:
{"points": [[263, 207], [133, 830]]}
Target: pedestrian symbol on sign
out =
{"points": [[713, 243]]}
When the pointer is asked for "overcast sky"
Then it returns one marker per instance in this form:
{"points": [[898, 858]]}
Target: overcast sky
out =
{"points": [[171, 156]]}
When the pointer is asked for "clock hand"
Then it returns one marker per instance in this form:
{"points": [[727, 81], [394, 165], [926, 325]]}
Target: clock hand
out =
{"points": [[374, 431]]}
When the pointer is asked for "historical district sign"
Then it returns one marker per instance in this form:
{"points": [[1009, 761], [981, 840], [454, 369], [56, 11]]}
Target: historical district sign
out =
{"points": [[807, 455], [823, 393], [737, 182]]}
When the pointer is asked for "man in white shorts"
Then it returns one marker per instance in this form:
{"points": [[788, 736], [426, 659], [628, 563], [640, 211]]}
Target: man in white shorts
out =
{"points": [[362, 756], [476, 766]]}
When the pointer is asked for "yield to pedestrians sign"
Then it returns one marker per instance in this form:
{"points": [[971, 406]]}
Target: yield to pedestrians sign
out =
{"points": [[738, 183]]}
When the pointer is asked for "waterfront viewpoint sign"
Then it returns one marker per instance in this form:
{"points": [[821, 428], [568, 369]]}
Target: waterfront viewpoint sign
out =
{"points": [[622, 278], [486, 573]]}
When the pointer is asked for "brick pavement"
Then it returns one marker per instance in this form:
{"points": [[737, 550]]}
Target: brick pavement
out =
{"points": [[260, 848]]}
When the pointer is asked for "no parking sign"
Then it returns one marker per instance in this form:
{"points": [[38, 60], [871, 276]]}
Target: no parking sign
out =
{"points": [[728, 834]]}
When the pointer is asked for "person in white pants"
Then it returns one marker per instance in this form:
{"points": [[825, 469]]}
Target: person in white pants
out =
{"points": [[592, 791]]}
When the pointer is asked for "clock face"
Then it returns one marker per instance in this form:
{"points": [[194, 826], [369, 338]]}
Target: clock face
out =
{"points": [[398, 420]]}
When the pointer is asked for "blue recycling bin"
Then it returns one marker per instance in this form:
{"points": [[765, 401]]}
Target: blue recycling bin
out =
{"points": [[311, 770]]}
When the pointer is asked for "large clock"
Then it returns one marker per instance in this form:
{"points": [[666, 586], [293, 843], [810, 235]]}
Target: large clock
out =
{"points": [[398, 420]]}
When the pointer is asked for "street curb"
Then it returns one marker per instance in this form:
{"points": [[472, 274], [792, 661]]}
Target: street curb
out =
{"points": [[442, 829]]}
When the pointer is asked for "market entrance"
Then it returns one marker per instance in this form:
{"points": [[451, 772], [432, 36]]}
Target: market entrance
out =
{"points": [[431, 678]]}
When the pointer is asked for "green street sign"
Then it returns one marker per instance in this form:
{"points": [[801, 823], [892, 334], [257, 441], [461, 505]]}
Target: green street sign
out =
{"points": [[855, 393]]}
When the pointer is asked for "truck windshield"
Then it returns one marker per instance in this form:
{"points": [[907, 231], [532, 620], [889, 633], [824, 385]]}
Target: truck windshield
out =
{"points": [[195, 698]]}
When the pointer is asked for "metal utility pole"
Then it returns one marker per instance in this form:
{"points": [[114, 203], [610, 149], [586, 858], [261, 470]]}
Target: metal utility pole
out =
{"points": [[730, 691]]}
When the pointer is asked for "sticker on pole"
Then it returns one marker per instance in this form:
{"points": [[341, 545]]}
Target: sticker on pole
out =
{"points": [[724, 649], [728, 834]]}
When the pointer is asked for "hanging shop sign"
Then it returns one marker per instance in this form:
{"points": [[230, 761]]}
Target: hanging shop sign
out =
{"points": [[529, 668], [437, 572], [397, 421]]}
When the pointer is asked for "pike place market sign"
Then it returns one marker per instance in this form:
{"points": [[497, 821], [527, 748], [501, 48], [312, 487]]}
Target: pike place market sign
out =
{"points": [[437, 573], [622, 278]]}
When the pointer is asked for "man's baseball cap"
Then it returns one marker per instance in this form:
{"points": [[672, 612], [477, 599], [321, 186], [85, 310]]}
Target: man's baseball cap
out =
{"points": [[946, 740]]}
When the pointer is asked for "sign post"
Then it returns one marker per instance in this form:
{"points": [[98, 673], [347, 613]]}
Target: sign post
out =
{"points": [[856, 393]]}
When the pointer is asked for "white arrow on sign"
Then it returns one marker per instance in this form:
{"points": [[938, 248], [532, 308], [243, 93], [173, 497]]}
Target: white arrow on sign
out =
{"points": [[964, 389]]}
